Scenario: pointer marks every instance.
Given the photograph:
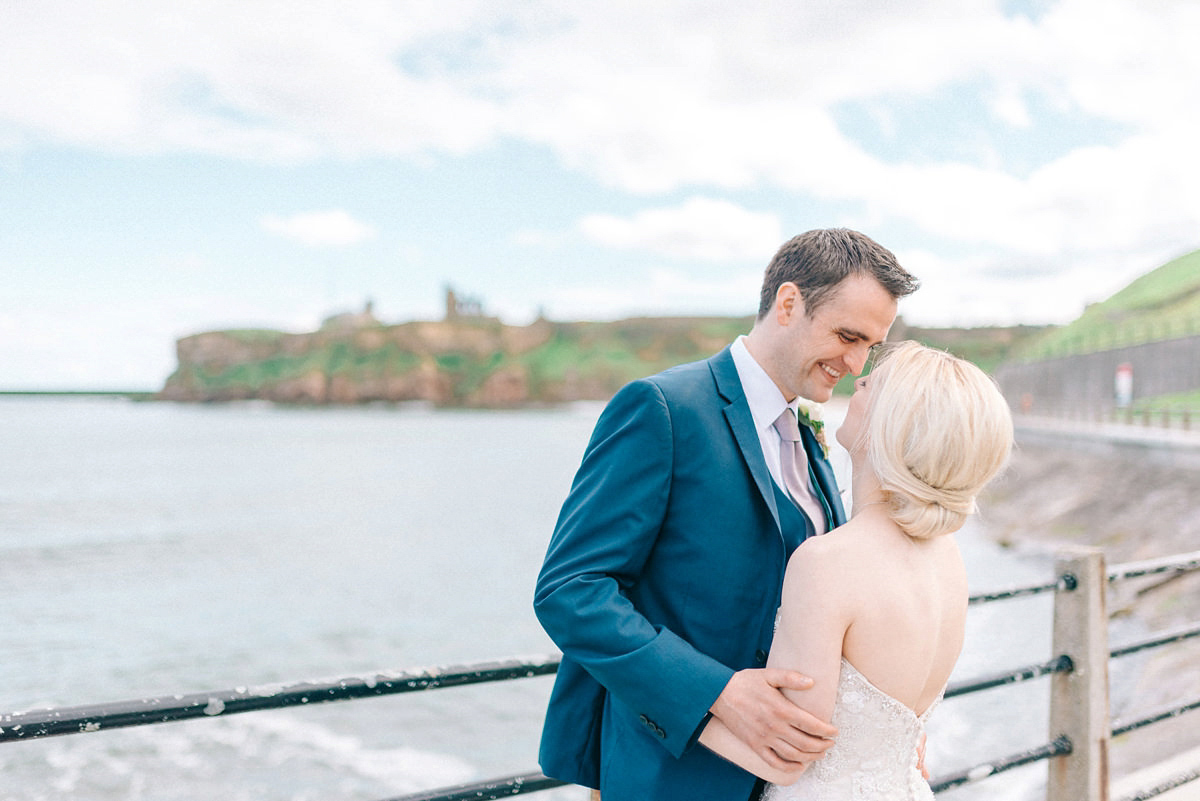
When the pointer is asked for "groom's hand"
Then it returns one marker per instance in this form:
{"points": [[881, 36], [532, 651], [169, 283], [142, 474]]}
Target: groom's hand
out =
{"points": [[783, 735]]}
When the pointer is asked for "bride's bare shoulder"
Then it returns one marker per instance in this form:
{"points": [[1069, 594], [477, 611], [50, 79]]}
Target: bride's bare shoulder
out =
{"points": [[840, 554], [845, 538], [824, 554]]}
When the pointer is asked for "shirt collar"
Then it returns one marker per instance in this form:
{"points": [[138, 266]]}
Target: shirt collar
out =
{"points": [[765, 400]]}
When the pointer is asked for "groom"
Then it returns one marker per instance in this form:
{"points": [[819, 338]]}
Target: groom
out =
{"points": [[663, 575]]}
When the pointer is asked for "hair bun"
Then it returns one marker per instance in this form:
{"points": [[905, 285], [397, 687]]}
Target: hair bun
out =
{"points": [[938, 430]]}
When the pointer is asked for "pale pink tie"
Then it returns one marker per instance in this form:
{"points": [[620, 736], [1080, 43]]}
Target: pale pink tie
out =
{"points": [[794, 464]]}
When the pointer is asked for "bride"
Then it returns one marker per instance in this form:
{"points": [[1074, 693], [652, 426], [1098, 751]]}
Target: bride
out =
{"points": [[874, 611]]}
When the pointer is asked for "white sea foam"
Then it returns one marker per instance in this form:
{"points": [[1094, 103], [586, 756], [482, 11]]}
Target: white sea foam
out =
{"points": [[237, 757]]}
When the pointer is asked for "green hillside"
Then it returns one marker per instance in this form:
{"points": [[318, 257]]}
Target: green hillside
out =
{"points": [[479, 361], [1163, 304], [986, 347], [468, 361]]}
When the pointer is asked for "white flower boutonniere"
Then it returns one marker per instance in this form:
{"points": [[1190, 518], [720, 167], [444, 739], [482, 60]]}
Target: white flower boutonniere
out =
{"points": [[809, 414]]}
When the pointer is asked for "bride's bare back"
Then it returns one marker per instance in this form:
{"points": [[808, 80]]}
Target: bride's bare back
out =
{"points": [[894, 606]]}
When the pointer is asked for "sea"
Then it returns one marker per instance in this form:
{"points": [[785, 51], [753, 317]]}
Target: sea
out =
{"points": [[154, 549]]}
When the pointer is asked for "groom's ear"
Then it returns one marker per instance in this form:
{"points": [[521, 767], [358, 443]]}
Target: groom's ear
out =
{"points": [[789, 302]]}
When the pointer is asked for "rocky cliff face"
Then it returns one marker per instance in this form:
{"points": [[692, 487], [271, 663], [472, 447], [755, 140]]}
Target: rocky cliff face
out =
{"points": [[471, 361], [412, 361]]}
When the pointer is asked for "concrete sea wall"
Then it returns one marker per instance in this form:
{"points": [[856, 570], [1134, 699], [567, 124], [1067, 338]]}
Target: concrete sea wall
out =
{"points": [[1088, 381]]}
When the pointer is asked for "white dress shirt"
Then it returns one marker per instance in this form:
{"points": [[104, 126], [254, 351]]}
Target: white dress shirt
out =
{"points": [[766, 404]]}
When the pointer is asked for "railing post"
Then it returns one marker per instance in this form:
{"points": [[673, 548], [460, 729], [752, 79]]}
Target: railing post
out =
{"points": [[1079, 698]]}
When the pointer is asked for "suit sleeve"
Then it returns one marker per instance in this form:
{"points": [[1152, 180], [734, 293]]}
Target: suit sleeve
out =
{"points": [[605, 533]]}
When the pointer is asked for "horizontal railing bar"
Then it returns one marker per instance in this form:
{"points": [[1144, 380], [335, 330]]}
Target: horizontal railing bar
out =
{"points": [[1170, 784], [535, 782], [1015, 592], [502, 787], [37, 723], [1060, 664], [1058, 747], [1165, 638], [121, 714], [1120, 727], [1065, 582], [1179, 563]]}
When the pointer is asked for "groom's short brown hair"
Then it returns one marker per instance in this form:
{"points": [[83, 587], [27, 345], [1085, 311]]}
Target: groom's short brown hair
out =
{"points": [[817, 261]]}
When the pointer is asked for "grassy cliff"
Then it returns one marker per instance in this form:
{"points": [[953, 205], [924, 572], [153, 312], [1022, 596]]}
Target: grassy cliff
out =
{"points": [[471, 361], [479, 361], [1163, 304]]}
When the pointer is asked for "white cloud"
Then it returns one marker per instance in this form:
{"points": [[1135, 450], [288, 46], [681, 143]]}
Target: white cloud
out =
{"points": [[701, 229], [1127, 61], [746, 100], [247, 80], [320, 228], [1096, 200], [727, 100], [664, 292], [1009, 105], [1010, 289]]}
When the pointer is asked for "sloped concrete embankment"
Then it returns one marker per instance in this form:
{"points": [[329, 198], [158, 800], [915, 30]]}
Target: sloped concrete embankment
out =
{"points": [[1136, 495]]}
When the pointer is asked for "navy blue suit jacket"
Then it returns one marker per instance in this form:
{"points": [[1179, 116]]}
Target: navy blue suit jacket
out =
{"points": [[662, 578]]}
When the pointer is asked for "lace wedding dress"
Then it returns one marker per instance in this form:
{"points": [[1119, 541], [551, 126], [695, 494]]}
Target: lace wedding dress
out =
{"points": [[875, 756]]}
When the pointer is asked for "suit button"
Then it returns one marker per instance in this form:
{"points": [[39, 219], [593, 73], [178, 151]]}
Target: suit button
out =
{"points": [[761, 656], [652, 726]]}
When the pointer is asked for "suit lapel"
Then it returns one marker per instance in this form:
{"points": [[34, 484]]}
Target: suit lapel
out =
{"points": [[822, 472], [741, 423]]}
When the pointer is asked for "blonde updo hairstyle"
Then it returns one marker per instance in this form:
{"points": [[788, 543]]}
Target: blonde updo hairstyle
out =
{"points": [[937, 431]]}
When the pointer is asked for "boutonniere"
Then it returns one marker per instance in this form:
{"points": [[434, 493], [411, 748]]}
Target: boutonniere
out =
{"points": [[809, 414]]}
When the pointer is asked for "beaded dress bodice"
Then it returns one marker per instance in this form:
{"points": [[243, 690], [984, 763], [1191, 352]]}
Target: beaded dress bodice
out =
{"points": [[875, 756]]}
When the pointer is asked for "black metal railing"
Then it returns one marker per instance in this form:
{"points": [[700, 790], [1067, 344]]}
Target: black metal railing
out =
{"points": [[164, 709], [1061, 746], [1059, 664], [35, 724]]}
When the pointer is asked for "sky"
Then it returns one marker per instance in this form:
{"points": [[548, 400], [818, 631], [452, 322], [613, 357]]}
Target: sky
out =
{"points": [[168, 168]]}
